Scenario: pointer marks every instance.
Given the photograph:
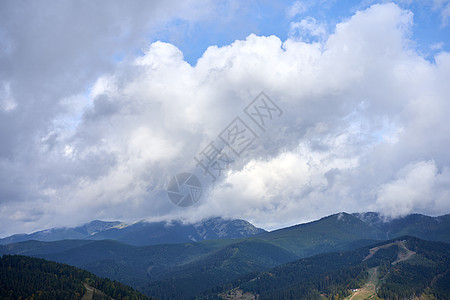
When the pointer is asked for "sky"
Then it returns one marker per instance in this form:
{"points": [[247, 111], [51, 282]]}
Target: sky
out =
{"points": [[339, 106]]}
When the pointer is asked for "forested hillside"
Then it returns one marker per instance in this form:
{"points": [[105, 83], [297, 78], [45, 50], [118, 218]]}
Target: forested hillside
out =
{"points": [[398, 269], [23, 277]]}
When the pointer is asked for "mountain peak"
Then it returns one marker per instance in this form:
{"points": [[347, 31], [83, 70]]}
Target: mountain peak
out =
{"points": [[96, 226], [218, 227]]}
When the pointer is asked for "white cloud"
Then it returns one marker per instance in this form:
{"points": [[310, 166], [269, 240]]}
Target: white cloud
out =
{"points": [[297, 8], [360, 106], [437, 46], [416, 187], [307, 27], [443, 6], [7, 102], [293, 183]]}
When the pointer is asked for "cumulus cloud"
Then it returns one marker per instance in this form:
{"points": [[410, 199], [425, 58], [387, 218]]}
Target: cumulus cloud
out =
{"points": [[416, 187], [50, 55], [364, 127]]}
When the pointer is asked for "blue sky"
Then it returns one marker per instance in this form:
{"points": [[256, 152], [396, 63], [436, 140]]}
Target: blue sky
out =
{"points": [[274, 18]]}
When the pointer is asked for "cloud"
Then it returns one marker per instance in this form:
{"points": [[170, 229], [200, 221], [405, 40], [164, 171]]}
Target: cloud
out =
{"points": [[297, 8], [416, 187], [307, 27], [437, 46], [7, 102], [364, 119], [443, 6], [51, 53]]}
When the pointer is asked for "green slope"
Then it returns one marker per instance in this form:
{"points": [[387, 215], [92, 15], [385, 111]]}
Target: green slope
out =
{"points": [[23, 277], [210, 262], [421, 226], [424, 227], [340, 231], [217, 267], [132, 265], [423, 272]]}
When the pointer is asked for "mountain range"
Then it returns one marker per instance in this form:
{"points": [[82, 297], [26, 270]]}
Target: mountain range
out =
{"points": [[144, 233], [163, 259], [368, 225]]}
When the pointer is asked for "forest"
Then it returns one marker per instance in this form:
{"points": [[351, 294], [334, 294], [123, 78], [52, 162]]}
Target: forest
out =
{"points": [[25, 277]]}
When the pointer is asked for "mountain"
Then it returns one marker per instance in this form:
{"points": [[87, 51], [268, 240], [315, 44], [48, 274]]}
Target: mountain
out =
{"points": [[343, 231], [25, 277], [421, 226], [304, 239], [55, 234], [225, 264], [402, 268], [212, 261], [190, 268], [336, 232], [145, 233]]}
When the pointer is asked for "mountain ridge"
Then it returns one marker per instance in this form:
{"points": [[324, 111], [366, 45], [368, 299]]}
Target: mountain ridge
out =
{"points": [[144, 233], [418, 225], [217, 227]]}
